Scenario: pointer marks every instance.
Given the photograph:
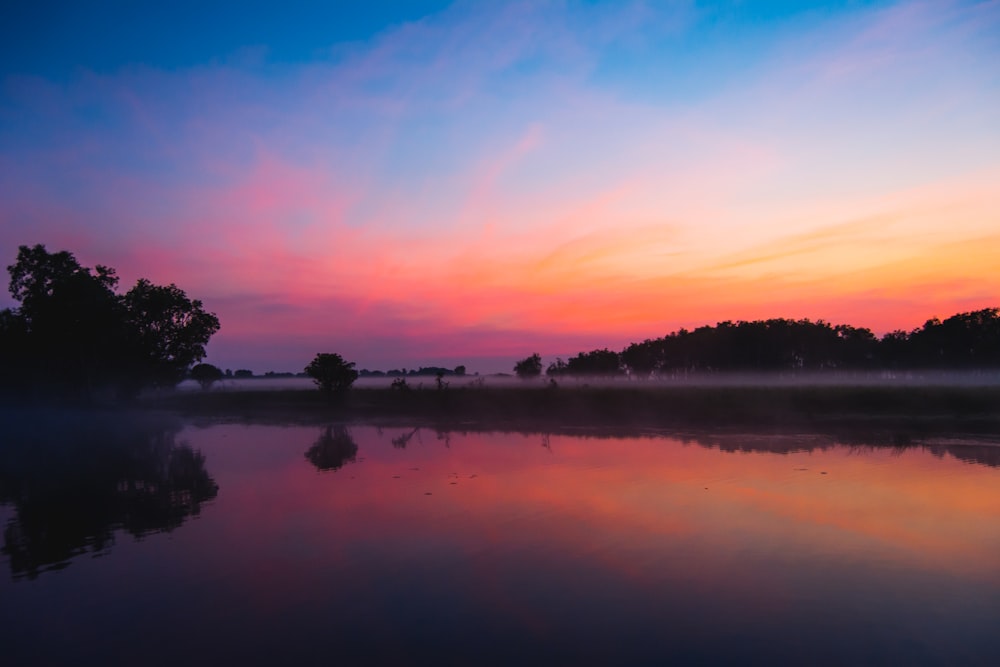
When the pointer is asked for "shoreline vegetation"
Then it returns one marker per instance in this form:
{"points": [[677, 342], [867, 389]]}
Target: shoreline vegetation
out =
{"points": [[628, 406], [75, 340]]}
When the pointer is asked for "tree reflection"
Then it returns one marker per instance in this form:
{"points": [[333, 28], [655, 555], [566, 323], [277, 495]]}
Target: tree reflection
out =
{"points": [[402, 440], [857, 441], [977, 443], [334, 448], [76, 480]]}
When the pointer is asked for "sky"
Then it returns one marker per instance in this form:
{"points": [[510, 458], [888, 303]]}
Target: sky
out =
{"points": [[441, 183]]}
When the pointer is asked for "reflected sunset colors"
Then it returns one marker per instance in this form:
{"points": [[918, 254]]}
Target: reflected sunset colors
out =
{"points": [[437, 184], [901, 504], [412, 546]]}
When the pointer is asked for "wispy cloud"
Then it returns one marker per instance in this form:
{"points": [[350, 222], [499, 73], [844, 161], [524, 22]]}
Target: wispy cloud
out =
{"points": [[498, 174]]}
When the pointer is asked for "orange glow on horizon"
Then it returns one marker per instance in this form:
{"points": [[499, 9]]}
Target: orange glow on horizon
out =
{"points": [[848, 175]]}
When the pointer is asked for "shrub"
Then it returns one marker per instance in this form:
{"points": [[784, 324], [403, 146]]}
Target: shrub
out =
{"points": [[332, 374]]}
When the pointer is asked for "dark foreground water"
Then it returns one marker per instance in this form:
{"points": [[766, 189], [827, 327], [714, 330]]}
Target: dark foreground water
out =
{"points": [[161, 543]]}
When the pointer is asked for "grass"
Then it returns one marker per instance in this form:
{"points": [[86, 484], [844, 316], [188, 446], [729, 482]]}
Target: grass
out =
{"points": [[595, 406]]}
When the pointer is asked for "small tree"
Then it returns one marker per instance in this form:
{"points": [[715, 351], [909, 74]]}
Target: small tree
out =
{"points": [[206, 375], [331, 373], [530, 367], [557, 367], [439, 381]]}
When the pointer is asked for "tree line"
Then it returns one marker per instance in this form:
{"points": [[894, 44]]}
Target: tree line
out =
{"points": [[968, 340], [423, 371], [73, 336]]}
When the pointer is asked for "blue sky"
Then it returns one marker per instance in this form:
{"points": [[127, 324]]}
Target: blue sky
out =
{"points": [[57, 39], [440, 183]]}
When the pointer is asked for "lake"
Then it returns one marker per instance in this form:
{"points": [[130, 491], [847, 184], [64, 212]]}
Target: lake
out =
{"points": [[150, 540]]}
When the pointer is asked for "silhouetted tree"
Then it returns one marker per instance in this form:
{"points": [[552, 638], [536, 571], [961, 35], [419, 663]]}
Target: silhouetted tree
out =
{"points": [[856, 347], [557, 367], [596, 362], [71, 321], [14, 359], [529, 367], [331, 373], [642, 359], [760, 345], [206, 375], [170, 331], [964, 340], [894, 349], [76, 337], [460, 370]]}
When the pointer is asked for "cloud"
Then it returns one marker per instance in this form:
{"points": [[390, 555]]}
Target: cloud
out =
{"points": [[494, 176]]}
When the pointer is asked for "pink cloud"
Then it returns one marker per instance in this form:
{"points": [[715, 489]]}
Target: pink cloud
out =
{"points": [[421, 193]]}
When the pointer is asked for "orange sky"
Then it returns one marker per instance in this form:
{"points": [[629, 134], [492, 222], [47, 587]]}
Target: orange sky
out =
{"points": [[487, 182]]}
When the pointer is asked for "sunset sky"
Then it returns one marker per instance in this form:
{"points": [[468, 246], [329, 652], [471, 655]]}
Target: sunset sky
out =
{"points": [[435, 183]]}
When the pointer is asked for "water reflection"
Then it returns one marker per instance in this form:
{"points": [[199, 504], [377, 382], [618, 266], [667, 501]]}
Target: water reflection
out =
{"points": [[333, 449], [546, 547], [977, 448], [403, 439], [75, 480]]}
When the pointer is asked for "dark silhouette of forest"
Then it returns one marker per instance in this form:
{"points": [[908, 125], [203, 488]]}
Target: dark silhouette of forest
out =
{"points": [[76, 480], [423, 371], [73, 337], [965, 341]]}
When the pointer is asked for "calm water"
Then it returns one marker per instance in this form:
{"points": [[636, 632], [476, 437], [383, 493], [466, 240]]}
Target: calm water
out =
{"points": [[165, 543]]}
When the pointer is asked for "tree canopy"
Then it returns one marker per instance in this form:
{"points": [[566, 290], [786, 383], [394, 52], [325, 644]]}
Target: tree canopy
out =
{"points": [[596, 362], [331, 373], [529, 367], [206, 375], [963, 341], [169, 331], [73, 336]]}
